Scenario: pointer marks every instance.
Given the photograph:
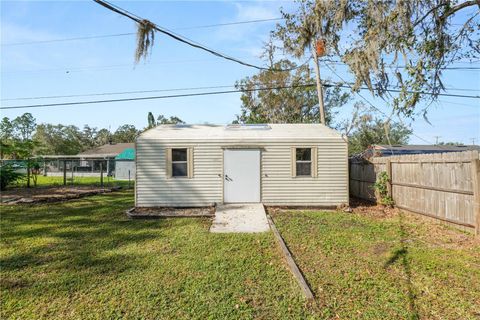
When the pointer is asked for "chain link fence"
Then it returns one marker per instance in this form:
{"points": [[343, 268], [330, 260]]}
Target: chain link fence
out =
{"points": [[44, 172]]}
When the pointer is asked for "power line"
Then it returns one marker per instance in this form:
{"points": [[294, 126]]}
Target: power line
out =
{"points": [[109, 67], [153, 97], [373, 106], [340, 84], [456, 103], [341, 63], [133, 33], [67, 39], [229, 24], [115, 93], [178, 37]]}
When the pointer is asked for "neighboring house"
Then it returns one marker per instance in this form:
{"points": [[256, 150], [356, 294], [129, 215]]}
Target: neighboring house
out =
{"points": [[88, 163], [386, 150], [125, 165], [276, 164], [108, 152]]}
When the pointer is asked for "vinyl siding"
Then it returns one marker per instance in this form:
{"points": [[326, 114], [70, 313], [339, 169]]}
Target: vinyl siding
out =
{"points": [[153, 188], [330, 188]]}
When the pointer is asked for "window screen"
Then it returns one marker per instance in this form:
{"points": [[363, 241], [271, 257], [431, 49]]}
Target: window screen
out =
{"points": [[303, 157], [179, 162]]}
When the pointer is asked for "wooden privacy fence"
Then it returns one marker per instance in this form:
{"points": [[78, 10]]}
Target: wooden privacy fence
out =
{"points": [[444, 186]]}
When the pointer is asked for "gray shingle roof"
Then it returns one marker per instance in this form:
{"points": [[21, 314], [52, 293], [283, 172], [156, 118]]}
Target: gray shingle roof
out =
{"points": [[107, 150]]}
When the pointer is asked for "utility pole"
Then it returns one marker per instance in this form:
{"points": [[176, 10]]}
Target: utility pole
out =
{"points": [[321, 109], [436, 139], [473, 141]]}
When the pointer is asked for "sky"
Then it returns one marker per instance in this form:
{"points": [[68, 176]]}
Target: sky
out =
{"points": [[106, 65]]}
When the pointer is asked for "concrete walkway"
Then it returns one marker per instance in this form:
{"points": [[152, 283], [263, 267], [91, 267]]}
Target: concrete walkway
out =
{"points": [[240, 217]]}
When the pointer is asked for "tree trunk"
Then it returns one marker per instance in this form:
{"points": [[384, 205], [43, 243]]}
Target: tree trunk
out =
{"points": [[321, 108]]}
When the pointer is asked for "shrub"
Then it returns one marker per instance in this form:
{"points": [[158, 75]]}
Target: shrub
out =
{"points": [[381, 187], [8, 175]]}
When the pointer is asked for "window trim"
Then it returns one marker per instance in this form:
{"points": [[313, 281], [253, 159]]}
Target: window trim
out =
{"points": [[173, 162], [313, 162], [169, 162], [303, 161]]}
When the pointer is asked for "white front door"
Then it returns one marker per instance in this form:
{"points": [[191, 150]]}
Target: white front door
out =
{"points": [[241, 173]]}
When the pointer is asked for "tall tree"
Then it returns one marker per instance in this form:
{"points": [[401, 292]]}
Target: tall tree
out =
{"points": [[102, 137], [6, 136], [24, 126], [125, 133], [151, 121], [88, 136], [310, 28], [369, 131], [16, 136], [404, 44], [59, 140], [291, 100], [161, 119]]}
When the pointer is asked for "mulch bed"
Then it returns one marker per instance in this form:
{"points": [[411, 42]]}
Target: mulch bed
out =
{"points": [[167, 212], [49, 194]]}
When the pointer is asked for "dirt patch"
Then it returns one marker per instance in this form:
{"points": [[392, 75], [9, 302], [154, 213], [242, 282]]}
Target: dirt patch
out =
{"points": [[372, 210], [165, 212], [380, 248], [13, 283], [49, 194]]}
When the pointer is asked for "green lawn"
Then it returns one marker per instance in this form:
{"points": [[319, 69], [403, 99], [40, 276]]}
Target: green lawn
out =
{"points": [[84, 259], [395, 267], [79, 181]]}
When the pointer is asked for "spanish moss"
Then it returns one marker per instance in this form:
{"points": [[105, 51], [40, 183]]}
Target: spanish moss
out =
{"points": [[145, 40]]}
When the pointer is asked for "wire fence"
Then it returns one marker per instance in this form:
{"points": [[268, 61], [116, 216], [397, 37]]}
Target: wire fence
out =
{"points": [[108, 173]]}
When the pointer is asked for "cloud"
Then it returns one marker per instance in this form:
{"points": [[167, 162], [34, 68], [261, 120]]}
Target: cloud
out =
{"points": [[256, 11], [252, 32], [246, 40]]}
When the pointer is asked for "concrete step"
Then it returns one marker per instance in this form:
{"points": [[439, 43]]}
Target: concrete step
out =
{"points": [[240, 217]]}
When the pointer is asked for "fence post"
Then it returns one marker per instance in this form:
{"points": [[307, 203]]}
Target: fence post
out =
{"points": [[388, 169], [101, 174], [476, 192], [64, 172], [28, 172]]}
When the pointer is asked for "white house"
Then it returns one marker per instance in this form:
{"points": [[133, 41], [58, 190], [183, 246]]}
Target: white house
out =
{"points": [[275, 164]]}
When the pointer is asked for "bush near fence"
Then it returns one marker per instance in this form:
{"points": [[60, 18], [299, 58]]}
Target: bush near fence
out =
{"points": [[444, 186]]}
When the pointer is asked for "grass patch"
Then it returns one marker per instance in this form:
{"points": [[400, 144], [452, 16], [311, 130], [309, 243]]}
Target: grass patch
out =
{"points": [[57, 181], [80, 181], [397, 267], [85, 259]]}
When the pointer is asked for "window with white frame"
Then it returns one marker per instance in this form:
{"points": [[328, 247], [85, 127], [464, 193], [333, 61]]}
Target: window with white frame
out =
{"points": [[179, 162], [303, 162]]}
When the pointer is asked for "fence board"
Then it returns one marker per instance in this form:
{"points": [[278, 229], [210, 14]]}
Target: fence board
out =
{"points": [[442, 186]]}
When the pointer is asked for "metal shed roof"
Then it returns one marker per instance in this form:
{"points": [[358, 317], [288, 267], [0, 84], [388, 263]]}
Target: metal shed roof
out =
{"points": [[127, 154], [243, 132], [378, 150]]}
